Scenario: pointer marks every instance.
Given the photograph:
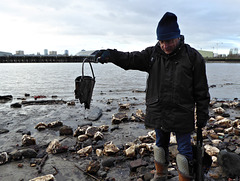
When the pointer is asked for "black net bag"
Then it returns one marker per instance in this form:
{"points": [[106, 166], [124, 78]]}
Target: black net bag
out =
{"points": [[84, 87]]}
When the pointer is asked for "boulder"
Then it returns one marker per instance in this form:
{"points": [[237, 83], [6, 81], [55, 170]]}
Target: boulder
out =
{"points": [[53, 146], [137, 163], [110, 149], [85, 151], [65, 130], [27, 140], [48, 177], [119, 118], [16, 105], [3, 158], [211, 150], [98, 136], [91, 131], [82, 138], [28, 153], [93, 167], [54, 124], [94, 114], [41, 126], [2, 131], [130, 152]]}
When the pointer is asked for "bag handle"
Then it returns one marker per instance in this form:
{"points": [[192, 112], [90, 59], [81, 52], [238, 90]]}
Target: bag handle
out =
{"points": [[85, 60]]}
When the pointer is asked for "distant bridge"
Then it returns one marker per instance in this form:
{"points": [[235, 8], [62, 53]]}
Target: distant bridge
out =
{"points": [[43, 59], [73, 59]]}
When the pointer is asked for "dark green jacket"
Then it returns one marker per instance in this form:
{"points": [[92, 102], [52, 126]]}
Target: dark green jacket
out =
{"points": [[176, 85]]}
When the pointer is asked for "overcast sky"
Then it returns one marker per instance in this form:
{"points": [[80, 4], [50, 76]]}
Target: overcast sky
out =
{"points": [[127, 25]]}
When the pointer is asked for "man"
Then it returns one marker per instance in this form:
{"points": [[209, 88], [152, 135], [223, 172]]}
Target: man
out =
{"points": [[176, 85]]}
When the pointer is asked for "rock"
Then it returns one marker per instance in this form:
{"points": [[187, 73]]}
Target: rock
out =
{"points": [[93, 167], [85, 151], [231, 148], [28, 140], [225, 123], [48, 177], [237, 151], [98, 136], [237, 131], [146, 139], [109, 162], [16, 105], [54, 124], [23, 131], [139, 116], [41, 153], [119, 118], [228, 130], [82, 138], [6, 97], [130, 152], [15, 155], [71, 103], [66, 130], [99, 152], [20, 165], [236, 123], [219, 110], [230, 163], [114, 128], [104, 128], [2, 131], [137, 163], [41, 126], [91, 131], [216, 142], [3, 158], [124, 106], [110, 149], [80, 130], [94, 114], [211, 150], [53, 146], [152, 134], [28, 153], [218, 118]]}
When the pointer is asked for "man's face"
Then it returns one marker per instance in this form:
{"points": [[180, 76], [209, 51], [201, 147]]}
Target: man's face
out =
{"points": [[168, 46]]}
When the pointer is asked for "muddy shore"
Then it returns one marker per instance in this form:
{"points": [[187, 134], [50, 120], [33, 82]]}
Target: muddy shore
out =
{"points": [[68, 165]]}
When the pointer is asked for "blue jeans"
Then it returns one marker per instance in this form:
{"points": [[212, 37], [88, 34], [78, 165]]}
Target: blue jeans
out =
{"points": [[183, 141]]}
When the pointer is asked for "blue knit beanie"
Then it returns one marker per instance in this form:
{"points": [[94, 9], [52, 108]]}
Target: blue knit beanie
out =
{"points": [[168, 27]]}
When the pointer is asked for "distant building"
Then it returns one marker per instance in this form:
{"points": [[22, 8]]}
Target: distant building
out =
{"points": [[52, 52], [86, 53], [45, 51], [233, 51], [5, 54], [19, 52], [206, 54], [66, 52]]}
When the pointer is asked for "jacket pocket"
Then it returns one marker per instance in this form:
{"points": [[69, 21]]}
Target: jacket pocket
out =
{"points": [[186, 108], [152, 101]]}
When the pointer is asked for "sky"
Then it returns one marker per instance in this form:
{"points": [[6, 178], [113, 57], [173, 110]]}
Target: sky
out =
{"points": [[125, 25]]}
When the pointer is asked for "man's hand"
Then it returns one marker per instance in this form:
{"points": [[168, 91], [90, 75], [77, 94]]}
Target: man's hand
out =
{"points": [[102, 56]]}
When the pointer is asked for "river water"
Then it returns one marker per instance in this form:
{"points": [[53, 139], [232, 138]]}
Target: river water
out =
{"points": [[111, 81]]}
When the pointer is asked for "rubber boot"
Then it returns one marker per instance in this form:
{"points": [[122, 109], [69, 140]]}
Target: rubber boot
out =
{"points": [[183, 168], [161, 164]]}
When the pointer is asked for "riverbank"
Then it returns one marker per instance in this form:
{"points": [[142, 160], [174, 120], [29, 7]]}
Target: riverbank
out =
{"points": [[67, 163]]}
